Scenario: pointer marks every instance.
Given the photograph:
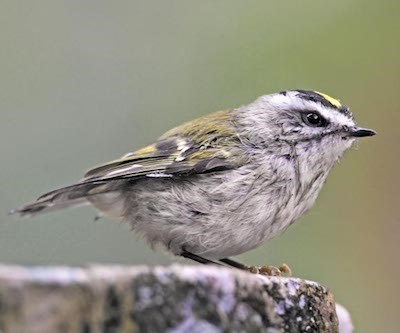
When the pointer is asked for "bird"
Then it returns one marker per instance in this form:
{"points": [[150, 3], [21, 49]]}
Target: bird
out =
{"points": [[223, 184]]}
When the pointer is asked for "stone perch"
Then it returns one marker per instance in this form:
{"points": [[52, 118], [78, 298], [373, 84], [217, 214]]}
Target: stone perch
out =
{"points": [[173, 299]]}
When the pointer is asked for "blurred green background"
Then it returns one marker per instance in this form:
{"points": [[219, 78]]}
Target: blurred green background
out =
{"points": [[83, 82]]}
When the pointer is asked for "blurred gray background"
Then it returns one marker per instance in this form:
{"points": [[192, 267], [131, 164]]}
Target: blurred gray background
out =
{"points": [[83, 82]]}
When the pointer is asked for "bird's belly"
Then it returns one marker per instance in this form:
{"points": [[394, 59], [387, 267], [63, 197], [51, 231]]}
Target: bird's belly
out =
{"points": [[215, 218], [211, 215]]}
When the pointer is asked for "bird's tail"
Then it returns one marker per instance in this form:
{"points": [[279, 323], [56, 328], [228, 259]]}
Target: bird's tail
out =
{"points": [[70, 196]]}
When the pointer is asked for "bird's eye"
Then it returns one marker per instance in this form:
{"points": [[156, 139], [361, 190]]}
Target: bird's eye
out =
{"points": [[313, 119]]}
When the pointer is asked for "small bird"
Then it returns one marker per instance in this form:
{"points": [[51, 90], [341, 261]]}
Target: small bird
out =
{"points": [[222, 184]]}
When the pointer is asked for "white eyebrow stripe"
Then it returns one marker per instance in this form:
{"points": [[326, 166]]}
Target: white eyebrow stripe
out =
{"points": [[337, 117], [291, 101]]}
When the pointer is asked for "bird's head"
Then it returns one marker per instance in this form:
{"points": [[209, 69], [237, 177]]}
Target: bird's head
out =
{"points": [[313, 122]]}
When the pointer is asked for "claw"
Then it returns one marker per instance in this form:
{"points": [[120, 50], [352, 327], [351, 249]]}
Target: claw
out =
{"points": [[285, 269], [270, 270], [253, 269]]}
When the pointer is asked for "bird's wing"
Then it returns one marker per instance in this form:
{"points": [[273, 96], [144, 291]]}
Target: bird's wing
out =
{"points": [[202, 146]]}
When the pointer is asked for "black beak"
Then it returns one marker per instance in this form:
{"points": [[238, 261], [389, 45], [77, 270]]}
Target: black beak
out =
{"points": [[359, 132]]}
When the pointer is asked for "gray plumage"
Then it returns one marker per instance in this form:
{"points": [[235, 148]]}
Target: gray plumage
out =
{"points": [[225, 183]]}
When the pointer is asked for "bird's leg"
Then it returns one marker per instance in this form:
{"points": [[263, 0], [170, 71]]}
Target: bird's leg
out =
{"points": [[234, 263], [197, 258], [264, 270]]}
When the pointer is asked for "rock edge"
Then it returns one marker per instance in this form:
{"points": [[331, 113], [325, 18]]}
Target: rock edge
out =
{"points": [[174, 299]]}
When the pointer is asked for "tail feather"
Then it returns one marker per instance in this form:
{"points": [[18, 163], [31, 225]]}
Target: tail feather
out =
{"points": [[71, 196]]}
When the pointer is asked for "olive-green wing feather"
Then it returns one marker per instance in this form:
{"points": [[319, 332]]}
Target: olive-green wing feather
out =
{"points": [[158, 165], [203, 145]]}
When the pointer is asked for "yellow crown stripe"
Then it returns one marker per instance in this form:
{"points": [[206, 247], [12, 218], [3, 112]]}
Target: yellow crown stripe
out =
{"points": [[330, 99]]}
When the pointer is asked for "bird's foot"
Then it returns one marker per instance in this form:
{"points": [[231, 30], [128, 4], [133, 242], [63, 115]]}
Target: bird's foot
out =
{"points": [[282, 270]]}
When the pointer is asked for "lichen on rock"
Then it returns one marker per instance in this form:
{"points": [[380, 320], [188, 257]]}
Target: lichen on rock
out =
{"points": [[173, 299]]}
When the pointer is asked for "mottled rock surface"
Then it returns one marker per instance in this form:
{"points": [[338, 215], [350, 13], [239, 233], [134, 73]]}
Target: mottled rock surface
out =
{"points": [[173, 299]]}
